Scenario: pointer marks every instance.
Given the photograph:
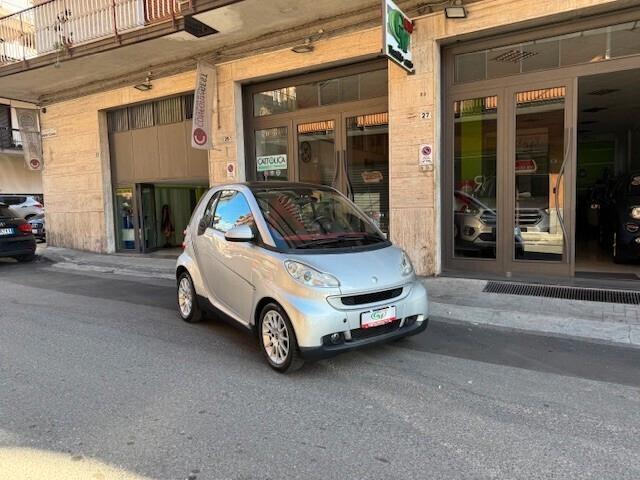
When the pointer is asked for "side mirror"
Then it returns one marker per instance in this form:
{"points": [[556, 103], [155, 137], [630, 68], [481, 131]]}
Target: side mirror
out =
{"points": [[240, 233], [202, 225]]}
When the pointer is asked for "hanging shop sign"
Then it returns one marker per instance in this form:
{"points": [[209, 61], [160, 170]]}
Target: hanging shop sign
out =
{"points": [[396, 30], [268, 163], [30, 134], [204, 98]]}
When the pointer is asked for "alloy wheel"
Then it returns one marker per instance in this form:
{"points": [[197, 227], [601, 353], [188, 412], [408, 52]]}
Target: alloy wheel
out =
{"points": [[185, 297], [275, 337]]}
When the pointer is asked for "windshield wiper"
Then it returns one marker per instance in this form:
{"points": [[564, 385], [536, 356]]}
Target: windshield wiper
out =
{"points": [[339, 239]]}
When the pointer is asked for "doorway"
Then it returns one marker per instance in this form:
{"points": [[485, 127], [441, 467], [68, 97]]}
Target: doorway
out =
{"points": [[608, 176], [151, 217], [330, 128]]}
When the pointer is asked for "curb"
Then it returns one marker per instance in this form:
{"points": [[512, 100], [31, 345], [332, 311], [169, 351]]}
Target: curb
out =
{"points": [[560, 327]]}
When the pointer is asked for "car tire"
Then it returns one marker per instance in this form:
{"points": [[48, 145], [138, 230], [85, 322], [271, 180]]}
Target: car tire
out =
{"points": [[277, 339], [187, 300], [26, 258]]}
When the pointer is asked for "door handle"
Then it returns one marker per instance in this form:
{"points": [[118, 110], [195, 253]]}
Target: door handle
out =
{"points": [[556, 190]]}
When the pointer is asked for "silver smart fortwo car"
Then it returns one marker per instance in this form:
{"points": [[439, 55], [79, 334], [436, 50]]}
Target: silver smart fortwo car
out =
{"points": [[302, 267]]}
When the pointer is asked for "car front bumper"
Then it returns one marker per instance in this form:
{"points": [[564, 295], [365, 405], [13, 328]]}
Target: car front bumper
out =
{"points": [[315, 320], [329, 350]]}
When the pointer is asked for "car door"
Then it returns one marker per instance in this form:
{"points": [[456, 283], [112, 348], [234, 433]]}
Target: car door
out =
{"points": [[230, 272], [203, 245]]}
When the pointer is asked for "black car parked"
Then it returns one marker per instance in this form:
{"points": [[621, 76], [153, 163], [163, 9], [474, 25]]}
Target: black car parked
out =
{"points": [[621, 218], [16, 238], [37, 227]]}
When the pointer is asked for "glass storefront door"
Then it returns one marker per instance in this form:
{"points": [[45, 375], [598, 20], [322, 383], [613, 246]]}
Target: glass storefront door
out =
{"points": [[507, 196], [540, 161], [125, 219], [148, 234]]}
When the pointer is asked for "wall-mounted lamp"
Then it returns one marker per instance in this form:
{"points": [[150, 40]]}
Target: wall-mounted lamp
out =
{"points": [[305, 47], [456, 10], [146, 86]]}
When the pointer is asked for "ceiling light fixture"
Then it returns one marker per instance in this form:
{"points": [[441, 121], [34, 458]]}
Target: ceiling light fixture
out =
{"points": [[146, 86], [456, 10]]}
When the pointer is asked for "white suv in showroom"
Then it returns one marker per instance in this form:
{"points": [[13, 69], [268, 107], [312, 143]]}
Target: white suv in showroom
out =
{"points": [[300, 266], [26, 206]]}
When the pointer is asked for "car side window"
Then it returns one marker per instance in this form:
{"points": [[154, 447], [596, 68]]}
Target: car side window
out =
{"points": [[232, 210], [207, 216]]}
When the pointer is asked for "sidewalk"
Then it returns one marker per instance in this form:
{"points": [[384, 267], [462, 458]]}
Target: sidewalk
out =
{"points": [[451, 299]]}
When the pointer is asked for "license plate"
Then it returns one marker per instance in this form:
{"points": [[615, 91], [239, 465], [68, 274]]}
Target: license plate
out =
{"points": [[34, 231], [6, 231], [378, 317]]}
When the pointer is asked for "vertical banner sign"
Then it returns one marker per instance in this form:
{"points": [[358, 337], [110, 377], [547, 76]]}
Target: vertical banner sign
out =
{"points": [[30, 135], [204, 98], [396, 31]]}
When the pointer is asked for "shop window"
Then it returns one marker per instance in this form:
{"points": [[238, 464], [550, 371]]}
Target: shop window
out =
{"points": [[272, 153], [118, 120], [625, 39], [327, 92], [188, 106], [543, 54], [474, 171], [141, 116], [572, 49], [584, 47], [471, 67], [168, 110]]}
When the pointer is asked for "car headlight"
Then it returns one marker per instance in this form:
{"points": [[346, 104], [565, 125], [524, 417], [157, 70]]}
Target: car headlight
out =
{"points": [[405, 265], [635, 213], [310, 276]]}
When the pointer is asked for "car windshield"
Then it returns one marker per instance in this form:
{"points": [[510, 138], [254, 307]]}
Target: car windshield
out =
{"points": [[309, 218]]}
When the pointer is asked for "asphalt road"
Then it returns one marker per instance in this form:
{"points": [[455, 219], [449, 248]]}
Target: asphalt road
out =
{"points": [[100, 367]]}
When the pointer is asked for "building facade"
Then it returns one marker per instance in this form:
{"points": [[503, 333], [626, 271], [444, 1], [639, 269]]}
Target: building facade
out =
{"points": [[506, 104]]}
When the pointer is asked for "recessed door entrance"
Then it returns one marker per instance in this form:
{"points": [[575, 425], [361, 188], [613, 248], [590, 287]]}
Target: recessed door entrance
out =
{"points": [[330, 128]]}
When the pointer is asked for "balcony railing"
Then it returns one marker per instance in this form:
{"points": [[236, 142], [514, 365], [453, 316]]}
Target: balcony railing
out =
{"points": [[10, 139], [58, 25]]}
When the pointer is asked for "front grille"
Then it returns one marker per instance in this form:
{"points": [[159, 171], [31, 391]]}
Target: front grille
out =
{"points": [[372, 297], [362, 333], [488, 218], [569, 293], [528, 216]]}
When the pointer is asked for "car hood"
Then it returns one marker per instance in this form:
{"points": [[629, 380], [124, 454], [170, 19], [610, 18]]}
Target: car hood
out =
{"points": [[362, 271]]}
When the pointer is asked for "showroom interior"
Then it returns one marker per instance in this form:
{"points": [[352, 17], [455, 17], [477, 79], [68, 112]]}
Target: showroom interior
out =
{"points": [[543, 131]]}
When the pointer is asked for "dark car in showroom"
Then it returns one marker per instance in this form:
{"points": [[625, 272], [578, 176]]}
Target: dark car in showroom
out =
{"points": [[622, 219], [16, 238], [38, 227]]}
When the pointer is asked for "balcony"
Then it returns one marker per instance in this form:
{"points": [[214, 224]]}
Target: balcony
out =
{"points": [[59, 25], [10, 139], [62, 49]]}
